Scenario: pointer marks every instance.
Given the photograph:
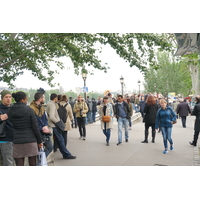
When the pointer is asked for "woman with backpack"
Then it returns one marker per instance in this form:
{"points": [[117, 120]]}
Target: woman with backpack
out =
{"points": [[65, 113]]}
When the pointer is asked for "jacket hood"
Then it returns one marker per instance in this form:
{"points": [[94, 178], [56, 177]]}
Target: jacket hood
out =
{"points": [[4, 108]]}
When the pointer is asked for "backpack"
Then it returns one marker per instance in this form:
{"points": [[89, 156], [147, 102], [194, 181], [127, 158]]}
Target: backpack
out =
{"points": [[62, 112]]}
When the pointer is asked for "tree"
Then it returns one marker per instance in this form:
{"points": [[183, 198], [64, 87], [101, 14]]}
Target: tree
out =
{"points": [[171, 76], [35, 51]]}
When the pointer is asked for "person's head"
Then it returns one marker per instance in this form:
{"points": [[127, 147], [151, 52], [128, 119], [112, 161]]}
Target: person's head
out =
{"points": [[59, 97], [64, 98], [20, 97], [54, 97], [151, 100], [109, 94], [80, 98], [197, 98], [39, 97], [105, 100], [6, 97], [120, 98], [163, 103], [70, 98]]}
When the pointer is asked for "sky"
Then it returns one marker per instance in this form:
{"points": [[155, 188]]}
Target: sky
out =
{"points": [[99, 82]]}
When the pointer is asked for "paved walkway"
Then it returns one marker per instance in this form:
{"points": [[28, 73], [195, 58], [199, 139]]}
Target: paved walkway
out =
{"points": [[94, 152]]}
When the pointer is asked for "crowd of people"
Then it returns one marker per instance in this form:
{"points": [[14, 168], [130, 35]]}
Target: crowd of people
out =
{"points": [[25, 129]]}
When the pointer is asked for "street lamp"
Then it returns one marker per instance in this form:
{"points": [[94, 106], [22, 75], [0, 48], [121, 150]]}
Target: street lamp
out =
{"points": [[84, 76], [139, 86], [122, 83]]}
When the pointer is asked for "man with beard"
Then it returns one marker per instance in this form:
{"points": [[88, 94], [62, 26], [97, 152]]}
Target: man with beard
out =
{"points": [[40, 113]]}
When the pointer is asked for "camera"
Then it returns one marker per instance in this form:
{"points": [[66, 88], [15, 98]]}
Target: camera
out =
{"points": [[81, 112]]}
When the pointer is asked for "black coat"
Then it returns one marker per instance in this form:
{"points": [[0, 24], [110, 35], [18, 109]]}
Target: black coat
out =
{"points": [[94, 106], [9, 127], [150, 113], [196, 112], [183, 109], [25, 124]]}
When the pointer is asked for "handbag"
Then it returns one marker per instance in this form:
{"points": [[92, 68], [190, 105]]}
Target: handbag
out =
{"points": [[60, 125], [2, 127], [106, 118], [42, 160]]}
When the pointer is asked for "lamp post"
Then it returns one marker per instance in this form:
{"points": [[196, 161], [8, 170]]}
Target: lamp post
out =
{"points": [[139, 86], [122, 83], [84, 76]]}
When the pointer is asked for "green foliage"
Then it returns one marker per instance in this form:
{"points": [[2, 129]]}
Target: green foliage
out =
{"points": [[35, 51], [171, 76]]}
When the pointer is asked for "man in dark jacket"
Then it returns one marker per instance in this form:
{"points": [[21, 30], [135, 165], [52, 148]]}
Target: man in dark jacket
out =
{"points": [[122, 113], [94, 110], [40, 113], [183, 109], [6, 143], [196, 112], [71, 102]]}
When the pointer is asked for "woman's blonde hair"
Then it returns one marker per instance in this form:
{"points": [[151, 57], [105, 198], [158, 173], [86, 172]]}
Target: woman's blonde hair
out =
{"points": [[163, 101]]}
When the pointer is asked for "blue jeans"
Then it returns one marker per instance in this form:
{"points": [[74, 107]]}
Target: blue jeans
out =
{"points": [[61, 143], [106, 133], [6, 154], [122, 122], [167, 132], [89, 117]]}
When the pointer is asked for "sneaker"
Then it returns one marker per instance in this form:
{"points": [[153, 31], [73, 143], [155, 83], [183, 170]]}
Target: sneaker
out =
{"points": [[119, 143], [171, 148], [165, 151], [70, 157], [83, 138]]}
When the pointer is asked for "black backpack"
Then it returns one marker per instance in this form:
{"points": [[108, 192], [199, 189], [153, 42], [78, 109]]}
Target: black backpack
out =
{"points": [[62, 112]]}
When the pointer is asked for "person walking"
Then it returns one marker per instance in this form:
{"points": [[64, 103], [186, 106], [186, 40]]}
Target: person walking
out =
{"points": [[106, 110], [165, 118], [141, 106], [122, 113], [81, 108], [40, 113], [131, 112], [89, 112], [6, 142], [71, 102], [94, 110], [68, 118], [196, 112], [53, 120], [150, 111], [183, 110], [27, 137]]}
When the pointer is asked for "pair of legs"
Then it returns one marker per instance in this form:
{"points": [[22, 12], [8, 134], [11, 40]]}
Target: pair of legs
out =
{"points": [[183, 119], [89, 117], [94, 116], [75, 121], [6, 154], [167, 132], [107, 134], [31, 161], [122, 122], [196, 135], [81, 126], [146, 132]]}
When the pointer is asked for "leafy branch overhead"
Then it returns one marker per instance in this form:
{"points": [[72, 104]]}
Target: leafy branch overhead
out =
{"points": [[35, 51]]}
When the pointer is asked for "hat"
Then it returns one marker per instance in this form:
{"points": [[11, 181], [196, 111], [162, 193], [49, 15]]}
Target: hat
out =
{"points": [[4, 92]]}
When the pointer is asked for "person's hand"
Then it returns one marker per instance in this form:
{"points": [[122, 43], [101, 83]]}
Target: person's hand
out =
{"points": [[4, 117], [40, 145], [45, 129]]}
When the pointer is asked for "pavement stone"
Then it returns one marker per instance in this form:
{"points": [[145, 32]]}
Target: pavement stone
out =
{"points": [[94, 152]]}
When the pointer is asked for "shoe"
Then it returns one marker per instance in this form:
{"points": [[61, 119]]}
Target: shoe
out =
{"points": [[165, 151], [70, 157], [153, 141], [171, 148], [191, 143], [119, 143], [83, 138], [145, 141], [107, 143], [126, 140]]}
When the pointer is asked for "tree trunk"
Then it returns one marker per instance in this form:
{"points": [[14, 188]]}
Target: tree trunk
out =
{"points": [[194, 71]]}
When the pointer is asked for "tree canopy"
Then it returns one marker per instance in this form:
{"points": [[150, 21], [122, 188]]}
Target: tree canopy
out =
{"points": [[35, 51]]}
